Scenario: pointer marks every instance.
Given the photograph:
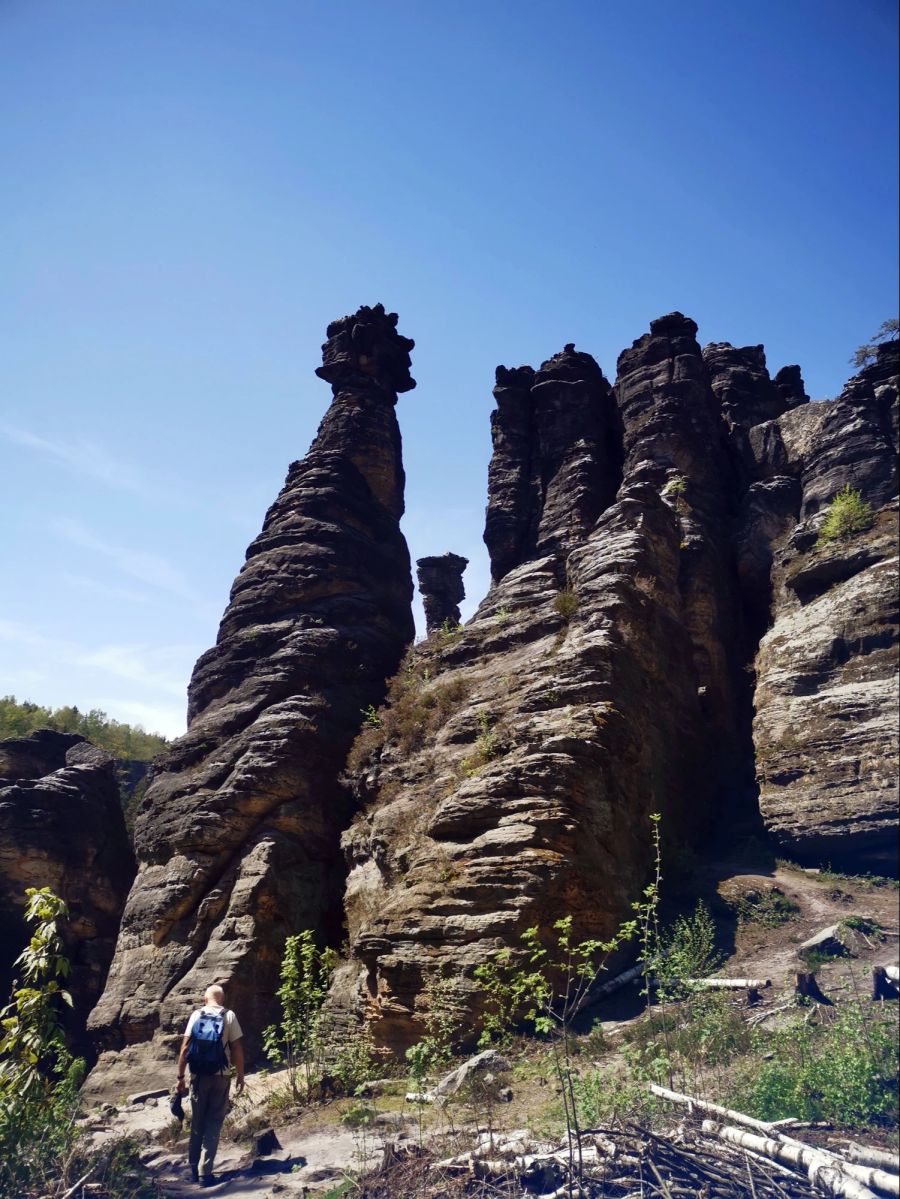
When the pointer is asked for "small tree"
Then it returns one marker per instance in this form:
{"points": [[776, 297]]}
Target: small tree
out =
{"points": [[846, 515], [39, 1078], [867, 353], [298, 1039], [553, 984]]}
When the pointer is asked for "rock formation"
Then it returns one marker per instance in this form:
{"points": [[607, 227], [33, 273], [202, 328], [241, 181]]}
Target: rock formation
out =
{"points": [[640, 547], [441, 588], [61, 826], [237, 837], [556, 462], [654, 546], [826, 698]]}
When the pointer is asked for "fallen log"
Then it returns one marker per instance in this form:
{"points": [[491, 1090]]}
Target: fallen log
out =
{"points": [[867, 1156], [729, 984], [826, 1170], [617, 983], [714, 1109]]}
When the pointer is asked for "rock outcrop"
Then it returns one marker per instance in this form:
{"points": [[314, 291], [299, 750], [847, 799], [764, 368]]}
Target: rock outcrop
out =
{"points": [[441, 587], [61, 826], [518, 761], [237, 837], [826, 724], [653, 545], [557, 458]]}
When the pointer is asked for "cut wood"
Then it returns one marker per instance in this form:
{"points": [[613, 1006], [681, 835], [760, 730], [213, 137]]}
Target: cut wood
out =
{"points": [[884, 983], [807, 985], [715, 1109], [824, 1169], [729, 984], [617, 983], [867, 1156]]}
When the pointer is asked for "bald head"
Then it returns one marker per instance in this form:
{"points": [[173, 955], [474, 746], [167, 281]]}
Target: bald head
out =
{"points": [[214, 994]]}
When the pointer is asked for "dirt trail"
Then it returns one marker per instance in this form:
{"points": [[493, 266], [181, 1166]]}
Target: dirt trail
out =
{"points": [[315, 1152]]}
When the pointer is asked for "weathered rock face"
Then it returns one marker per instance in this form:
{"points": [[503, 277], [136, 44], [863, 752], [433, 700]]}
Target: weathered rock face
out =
{"points": [[556, 462], [238, 835], [518, 762], [61, 826], [790, 387], [441, 588], [826, 723]]}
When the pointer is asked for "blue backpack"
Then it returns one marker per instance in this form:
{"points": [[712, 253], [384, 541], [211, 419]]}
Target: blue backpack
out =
{"points": [[206, 1050]]}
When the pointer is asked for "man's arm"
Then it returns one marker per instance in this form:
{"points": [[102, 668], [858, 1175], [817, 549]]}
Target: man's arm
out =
{"points": [[237, 1060], [182, 1064]]}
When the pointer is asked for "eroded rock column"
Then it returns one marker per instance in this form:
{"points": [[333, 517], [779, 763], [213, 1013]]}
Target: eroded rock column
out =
{"points": [[238, 835], [442, 589]]}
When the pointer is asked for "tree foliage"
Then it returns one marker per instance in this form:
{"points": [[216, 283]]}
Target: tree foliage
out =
{"points": [[38, 1076], [846, 515], [124, 741], [866, 353]]}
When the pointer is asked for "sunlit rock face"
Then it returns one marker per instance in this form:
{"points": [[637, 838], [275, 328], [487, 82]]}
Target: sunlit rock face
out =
{"points": [[237, 838], [61, 826], [826, 724], [664, 633], [643, 539], [519, 761]]}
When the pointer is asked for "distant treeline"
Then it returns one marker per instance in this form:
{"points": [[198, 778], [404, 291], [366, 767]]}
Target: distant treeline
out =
{"points": [[124, 741]]}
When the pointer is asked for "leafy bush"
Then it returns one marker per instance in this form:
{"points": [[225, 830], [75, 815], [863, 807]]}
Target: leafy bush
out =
{"points": [[42, 1150], [846, 515], [770, 908], [844, 1071], [297, 1039], [565, 603]]}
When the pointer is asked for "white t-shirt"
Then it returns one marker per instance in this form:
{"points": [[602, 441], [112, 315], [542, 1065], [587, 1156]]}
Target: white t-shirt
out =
{"points": [[231, 1029]]}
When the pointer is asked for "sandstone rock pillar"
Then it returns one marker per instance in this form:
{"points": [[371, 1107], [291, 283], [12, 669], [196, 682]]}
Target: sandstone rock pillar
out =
{"points": [[238, 835], [441, 587]]}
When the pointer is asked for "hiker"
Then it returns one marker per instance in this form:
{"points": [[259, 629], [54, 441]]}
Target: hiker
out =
{"points": [[211, 1039]]}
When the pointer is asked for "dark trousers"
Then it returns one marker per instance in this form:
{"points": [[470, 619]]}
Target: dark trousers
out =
{"points": [[209, 1107]]}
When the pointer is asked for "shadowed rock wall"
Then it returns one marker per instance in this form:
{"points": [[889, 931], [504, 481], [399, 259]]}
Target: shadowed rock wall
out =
{"points": [[61, 826], [237, 838]]}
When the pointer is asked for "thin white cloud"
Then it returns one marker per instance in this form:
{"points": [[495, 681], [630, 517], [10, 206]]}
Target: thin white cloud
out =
{"points": [[56, 672], [84, 457], [137, 564], [134, 663]]}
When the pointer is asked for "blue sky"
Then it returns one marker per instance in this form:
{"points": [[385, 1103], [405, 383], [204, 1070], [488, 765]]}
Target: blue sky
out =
{"points": [[193, 189]]}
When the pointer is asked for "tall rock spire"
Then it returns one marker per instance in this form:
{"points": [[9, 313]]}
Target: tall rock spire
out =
{"points": [[238, 836]]}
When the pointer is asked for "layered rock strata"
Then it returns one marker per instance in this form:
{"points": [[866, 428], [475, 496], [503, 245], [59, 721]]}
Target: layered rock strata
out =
{"points": [[61, 826], [826, 724], [442, 589], [519, 760], [237, 837], [557, 458]]}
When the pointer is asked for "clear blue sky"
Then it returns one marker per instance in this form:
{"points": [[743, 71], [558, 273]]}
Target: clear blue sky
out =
{"points": [[192, 189]]}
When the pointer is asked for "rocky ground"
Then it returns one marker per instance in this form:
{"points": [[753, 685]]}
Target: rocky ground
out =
{"points": [[272, 1149]]}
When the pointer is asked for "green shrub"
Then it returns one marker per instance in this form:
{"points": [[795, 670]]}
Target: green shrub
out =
{"points": [[770, 908], [298, 1039], [565, 604], [844, 1071], [846, 515]]}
